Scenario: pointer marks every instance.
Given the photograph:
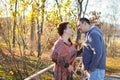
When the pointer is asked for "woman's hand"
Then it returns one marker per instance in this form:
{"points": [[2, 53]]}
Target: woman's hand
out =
{"points": [[70, 68]]}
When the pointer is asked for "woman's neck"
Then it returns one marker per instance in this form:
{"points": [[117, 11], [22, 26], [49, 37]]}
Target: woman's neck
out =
{"points": [[65, 38]]}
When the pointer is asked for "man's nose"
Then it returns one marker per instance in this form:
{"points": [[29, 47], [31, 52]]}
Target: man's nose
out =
{"points": [[79, 28]]}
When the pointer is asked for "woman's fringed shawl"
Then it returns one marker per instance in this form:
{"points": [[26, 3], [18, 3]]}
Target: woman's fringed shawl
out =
{"points": [[63, 55]]}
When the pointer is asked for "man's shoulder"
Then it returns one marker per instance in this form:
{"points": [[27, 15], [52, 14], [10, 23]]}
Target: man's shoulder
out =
{"points": [[95, 31]]}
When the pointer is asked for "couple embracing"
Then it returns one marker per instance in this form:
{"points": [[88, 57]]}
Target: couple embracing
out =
{"points": [[93, 52]]}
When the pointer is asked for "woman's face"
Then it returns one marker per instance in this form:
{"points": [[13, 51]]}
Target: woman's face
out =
{"points": [[68, 30]]}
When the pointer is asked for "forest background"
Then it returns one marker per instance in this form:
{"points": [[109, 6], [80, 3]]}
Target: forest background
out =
{"points": [[28, 32]]}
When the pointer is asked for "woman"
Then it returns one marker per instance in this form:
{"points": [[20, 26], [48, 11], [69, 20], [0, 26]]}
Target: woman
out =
{"points": [[64, 53]]}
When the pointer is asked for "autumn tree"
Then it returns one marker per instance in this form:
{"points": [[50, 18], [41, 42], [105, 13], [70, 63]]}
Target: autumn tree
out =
{"points": [[80, 11]]}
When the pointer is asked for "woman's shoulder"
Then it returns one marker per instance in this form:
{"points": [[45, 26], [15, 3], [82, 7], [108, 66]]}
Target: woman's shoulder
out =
{"points": [[58, 43]]}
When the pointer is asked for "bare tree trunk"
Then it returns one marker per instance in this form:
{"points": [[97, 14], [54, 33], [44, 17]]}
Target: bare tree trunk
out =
{"points": [[43, 10], [39, 43], [79, 10], [40, 29], [14, 27], [79, 7], [59, 10], [39, 37], [32, 35], [85, 8]]}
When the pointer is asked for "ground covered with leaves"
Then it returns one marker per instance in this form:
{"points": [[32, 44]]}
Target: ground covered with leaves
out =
{"points": [[113, 66]]}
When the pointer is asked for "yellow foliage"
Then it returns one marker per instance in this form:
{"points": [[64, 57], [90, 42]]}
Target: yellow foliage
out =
{"points": [[24, 5], [11, 73], [1, 12], [13, 1]]}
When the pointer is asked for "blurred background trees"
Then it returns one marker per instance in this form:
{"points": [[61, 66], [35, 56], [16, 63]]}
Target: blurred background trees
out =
{"points": [[28, 28]]}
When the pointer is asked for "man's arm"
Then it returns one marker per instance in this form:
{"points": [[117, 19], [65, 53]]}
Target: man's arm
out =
{"points": [[97, 46]]}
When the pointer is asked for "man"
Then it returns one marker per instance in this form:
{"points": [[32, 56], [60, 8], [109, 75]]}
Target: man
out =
{"points": [[94, 52]]}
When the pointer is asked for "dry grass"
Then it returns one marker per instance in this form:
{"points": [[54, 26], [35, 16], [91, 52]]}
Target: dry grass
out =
{"points": [[113, 66]]}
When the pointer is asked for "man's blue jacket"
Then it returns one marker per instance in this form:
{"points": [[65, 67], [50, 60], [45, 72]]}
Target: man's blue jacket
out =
{"points": [[94, 52]]}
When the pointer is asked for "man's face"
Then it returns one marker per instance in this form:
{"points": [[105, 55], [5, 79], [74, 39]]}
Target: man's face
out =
{"points": [[82, 26]]}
